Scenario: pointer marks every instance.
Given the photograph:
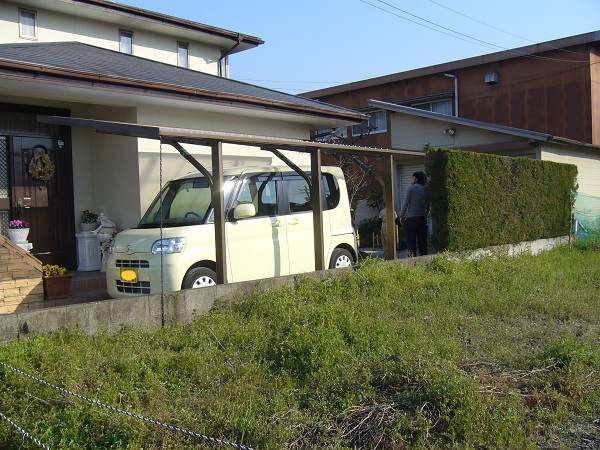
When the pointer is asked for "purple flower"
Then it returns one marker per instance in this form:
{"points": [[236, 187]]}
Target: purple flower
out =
{"points": [[18, 224]]}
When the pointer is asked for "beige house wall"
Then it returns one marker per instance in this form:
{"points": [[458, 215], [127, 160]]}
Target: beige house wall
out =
{"points": [[587, 162], [59, 27], [121, 175], [415, 133]]}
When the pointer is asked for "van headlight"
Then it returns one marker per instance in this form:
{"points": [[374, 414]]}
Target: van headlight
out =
{"points": [[166, 246]]}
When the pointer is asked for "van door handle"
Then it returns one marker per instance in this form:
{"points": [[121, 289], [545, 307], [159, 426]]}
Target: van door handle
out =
{"points": [[277, 223], [294, 221]]}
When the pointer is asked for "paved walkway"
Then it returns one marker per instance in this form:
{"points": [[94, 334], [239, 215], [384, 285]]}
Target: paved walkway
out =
{"points": [[377, 252]]}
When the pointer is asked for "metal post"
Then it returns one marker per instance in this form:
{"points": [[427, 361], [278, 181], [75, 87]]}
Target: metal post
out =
{"points": [[218, 202], [388, 178], [316, 200]]}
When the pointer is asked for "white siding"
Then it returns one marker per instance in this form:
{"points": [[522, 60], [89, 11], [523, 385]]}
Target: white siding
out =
{"points": [[587, 162], [414, 133]]}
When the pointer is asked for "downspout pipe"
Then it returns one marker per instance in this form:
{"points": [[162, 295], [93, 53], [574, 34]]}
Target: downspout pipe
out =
{"points": [[225, 54], [450, 75]]}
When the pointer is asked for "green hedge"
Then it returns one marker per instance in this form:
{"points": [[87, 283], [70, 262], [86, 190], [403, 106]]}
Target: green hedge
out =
{"points": [[479, 200]]}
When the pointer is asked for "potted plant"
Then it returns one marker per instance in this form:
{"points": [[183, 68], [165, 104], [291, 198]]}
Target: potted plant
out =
{"points": [[57, 282], [18, 230], [88, 220]]}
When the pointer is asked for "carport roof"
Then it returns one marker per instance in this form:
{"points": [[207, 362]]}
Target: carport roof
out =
{"points": [[75, 61], [205, 137]]}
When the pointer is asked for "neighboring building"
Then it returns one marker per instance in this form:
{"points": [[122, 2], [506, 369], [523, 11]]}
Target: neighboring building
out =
{"points": [[97, 59], [414, 129], [550, 89]]}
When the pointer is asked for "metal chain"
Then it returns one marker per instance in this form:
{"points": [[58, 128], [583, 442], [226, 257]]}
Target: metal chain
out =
{"points": [[23, 432], [135, 416]]}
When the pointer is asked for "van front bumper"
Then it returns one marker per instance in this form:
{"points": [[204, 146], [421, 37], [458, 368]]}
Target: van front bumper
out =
{"points": [[149, 277]]}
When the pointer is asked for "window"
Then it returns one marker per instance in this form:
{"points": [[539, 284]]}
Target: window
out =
{"points": [[27, 24], [331, 134], [441, 107], [126, 40], [183, 55], [377, 123], [298, 192], [260, 190]]}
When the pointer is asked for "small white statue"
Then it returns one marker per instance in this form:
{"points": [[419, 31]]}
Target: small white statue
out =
{"points": [[104, 233], [105, 222]]}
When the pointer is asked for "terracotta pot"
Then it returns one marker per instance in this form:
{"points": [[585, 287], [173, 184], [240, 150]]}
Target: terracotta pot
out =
{"points": [[18, 235], [58, 286]]}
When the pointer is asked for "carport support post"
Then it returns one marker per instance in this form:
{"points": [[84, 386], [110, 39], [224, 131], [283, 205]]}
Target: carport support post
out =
{"points": [[218, 202], [388, 179], [316, 201]]}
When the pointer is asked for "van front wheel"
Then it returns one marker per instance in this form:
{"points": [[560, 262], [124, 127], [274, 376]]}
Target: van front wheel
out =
{"points": [[199, 277], [340, 258]]}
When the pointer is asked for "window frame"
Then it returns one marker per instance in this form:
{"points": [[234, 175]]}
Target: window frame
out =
{"points": [[186, 45], [124, 33], [367, 122], [22, 35], [431, 102], [331, 134]]}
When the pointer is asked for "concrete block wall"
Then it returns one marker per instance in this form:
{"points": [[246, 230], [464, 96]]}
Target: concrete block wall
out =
{"points": [[21, 287], [181, 307]]}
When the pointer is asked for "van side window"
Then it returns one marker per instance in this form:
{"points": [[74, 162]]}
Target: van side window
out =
{"points": [[261, 190], [299, 193], [331, 191]]}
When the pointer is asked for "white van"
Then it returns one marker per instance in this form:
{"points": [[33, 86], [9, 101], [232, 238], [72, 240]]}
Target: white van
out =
{"points": [[268, 232]]}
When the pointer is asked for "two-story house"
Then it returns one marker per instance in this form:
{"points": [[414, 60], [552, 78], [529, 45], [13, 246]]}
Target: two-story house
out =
{"points": [[540, 101], [101, 60]]}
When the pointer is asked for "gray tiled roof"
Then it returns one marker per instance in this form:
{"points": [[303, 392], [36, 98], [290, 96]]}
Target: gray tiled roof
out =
{"points": [[81, 59]]}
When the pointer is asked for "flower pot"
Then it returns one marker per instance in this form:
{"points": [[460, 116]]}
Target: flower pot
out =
{"points": [[18, 235], [58, 286], [88, 226]]}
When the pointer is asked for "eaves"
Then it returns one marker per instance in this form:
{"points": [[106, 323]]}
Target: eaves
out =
{"points": [[37, 73]]}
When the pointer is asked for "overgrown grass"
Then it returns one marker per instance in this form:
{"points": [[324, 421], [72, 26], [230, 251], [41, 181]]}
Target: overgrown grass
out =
{"points": [[495, 353]]}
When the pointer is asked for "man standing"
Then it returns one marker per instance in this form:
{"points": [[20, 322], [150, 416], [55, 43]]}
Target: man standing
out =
{"points": [[413, 216]]}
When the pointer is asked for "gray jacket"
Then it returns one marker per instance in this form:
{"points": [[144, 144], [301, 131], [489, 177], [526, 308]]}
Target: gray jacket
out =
{"points": [[414, 202]]}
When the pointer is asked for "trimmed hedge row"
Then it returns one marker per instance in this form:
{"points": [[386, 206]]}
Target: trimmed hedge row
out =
{"points": [[479, 200]]}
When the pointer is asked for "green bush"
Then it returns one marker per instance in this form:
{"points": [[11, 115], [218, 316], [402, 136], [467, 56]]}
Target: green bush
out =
{"points": [[480, 200]]}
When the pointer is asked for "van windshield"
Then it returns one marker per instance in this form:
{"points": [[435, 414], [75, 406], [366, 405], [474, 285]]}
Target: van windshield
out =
{"points": [[184, 202]]}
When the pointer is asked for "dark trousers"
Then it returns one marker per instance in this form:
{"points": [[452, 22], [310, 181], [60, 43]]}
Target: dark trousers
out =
{"points": [[416, 233]]}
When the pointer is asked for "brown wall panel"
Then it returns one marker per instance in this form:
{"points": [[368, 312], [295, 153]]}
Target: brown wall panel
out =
{"points": [[552, 93]]}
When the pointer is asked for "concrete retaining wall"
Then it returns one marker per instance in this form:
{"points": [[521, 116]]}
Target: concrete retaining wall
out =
{"points": [[146, 312]]}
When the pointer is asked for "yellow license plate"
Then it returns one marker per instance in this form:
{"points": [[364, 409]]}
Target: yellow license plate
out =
{"points": [[129, 274]]}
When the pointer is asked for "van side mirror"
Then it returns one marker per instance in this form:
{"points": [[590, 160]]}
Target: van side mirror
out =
{"points": [[243, 211]]}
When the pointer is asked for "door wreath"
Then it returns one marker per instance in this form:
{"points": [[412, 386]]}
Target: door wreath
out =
{"points": [[40, 167]]}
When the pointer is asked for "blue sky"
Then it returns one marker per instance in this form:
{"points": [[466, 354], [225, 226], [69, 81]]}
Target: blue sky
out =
{"points": [[314, 44]]}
